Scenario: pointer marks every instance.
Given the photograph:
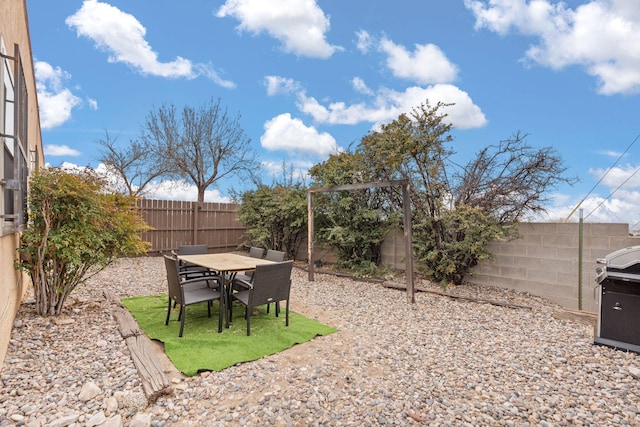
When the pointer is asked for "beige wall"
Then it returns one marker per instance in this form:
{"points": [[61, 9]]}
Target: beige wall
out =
{"points": [[543, 261], [14, 29]]}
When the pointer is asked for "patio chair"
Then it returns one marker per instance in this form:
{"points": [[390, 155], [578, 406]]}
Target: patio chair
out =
{"points": [[275, 256], [193, 291], [254, 252], [271, 283], [190, 271]]}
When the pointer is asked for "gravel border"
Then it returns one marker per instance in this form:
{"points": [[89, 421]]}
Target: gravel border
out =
{"points": [[438, 362]]}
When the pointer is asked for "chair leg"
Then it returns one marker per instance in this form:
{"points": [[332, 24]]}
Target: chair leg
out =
{"points": [[287, 314], [248, 316], [221, 303], [226, 309], [166, 322], [182, 316], [209, 303]]}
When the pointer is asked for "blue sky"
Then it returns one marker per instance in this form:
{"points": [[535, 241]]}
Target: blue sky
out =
{"points": [[311, 77]]}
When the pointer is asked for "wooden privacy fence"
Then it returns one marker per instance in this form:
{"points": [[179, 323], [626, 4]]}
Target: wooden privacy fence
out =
{"points": [[178, 223]]}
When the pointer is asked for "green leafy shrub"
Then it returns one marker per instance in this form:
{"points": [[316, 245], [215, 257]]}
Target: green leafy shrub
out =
{"points": [[451, 245], [75, 230], [354, 223], [275, 217]]}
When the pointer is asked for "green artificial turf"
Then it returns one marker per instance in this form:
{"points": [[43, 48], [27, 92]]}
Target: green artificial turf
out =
{"points": [[202, 348]]}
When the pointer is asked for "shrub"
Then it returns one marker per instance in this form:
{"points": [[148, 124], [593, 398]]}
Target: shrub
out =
{"points": [[275, 217], [75, 230], [451, 245]]}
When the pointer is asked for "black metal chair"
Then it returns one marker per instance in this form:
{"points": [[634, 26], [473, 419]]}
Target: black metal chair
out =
{"points": [[271, 283], [193, 291]]}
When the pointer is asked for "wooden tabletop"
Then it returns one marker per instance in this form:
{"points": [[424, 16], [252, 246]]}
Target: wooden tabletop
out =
{"points": [[224, 262]]}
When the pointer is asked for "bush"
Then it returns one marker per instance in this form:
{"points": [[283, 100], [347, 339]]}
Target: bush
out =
{"points": [[275, 217], [75, 230], [451, 245]]}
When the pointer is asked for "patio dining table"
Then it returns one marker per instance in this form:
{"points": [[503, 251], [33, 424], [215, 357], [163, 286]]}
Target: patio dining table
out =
{"points": [[226, 265]]}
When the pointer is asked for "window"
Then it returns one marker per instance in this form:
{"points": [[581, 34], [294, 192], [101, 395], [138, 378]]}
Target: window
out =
{"points": [[13, 139]]}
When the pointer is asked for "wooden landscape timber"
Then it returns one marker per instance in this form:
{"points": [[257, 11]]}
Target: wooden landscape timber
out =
{"points": [[584, 317], [445, 294], [155, 381]]}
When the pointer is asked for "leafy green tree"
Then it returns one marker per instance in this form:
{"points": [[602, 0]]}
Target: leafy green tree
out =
{"points": [[75, 229], [414, 147], [275, 217]]}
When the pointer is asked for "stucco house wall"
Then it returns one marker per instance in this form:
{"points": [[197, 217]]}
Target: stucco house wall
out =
{"points": [[14, 28]]}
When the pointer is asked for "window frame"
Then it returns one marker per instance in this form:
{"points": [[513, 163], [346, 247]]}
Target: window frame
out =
{"points": [[14, 168]]}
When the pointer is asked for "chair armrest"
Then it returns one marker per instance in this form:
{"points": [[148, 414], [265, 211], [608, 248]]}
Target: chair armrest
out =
{"points": [[243, 283], [201, 279]]}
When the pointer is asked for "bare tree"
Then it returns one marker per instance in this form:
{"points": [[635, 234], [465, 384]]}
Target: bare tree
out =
{"points": [[202, 145], [131, 168], [511, 180]]}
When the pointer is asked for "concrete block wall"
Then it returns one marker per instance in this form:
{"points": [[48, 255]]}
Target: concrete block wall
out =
{"points": [[543, 261]]}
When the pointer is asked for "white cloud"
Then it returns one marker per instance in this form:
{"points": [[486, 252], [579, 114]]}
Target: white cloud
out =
{"points": [[622, 176], [389, 104], [181, 190], [161, 190], [603, 36], [123, 37], [616, 199], [300, 25], [281, 85], [360, 86], [622, 209], [610, 153], [93, 104], [364, 41], [210, 73], [296, 169], [289, 134], [426, 65], [60, 150], [55, 102]]}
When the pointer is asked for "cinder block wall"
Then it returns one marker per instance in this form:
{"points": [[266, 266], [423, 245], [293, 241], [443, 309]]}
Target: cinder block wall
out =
{"points": [[543, 261]]}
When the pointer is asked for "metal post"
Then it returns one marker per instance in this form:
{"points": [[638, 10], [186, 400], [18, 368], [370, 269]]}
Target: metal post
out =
{"points": [[580, 232]]}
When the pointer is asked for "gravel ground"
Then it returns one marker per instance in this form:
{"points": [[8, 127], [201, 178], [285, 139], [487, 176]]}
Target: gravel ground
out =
{"points": [[439, 362]]}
